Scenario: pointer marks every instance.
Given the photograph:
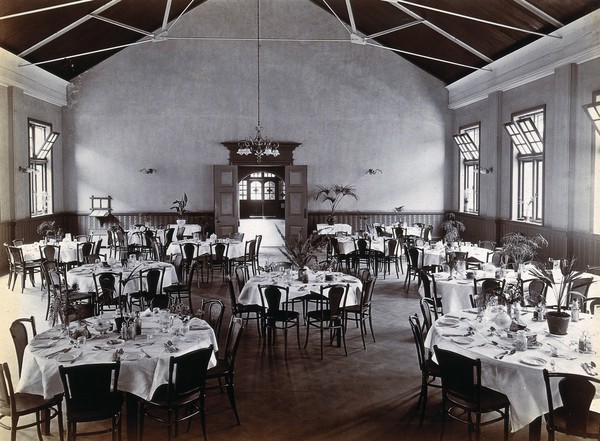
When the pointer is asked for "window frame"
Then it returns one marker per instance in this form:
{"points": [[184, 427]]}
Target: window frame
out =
{"points": [[39, 152], [522, 156], [595, 172], [469, 166]]}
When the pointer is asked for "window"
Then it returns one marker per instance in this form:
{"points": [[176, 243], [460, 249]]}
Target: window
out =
{"points": [[526, 131], [255, 191], [596, 192], [41, 140], [269, 188], [243, 190], [468, 145]]}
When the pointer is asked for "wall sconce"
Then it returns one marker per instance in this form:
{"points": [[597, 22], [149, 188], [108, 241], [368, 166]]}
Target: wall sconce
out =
{"points": [[373, 171], [148, 171], [486, 171], [29, 169]]}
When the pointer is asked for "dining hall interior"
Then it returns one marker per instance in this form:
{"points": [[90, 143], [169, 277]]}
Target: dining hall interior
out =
{"points": [[320, 126]]}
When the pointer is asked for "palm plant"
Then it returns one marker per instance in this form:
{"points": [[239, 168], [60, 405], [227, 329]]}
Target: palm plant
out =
{"points": [[300, 251], [333, 195], [452, 228], [179, 205], [568, 276]]}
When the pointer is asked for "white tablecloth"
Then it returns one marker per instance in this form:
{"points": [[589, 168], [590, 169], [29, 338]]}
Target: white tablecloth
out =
{"points": [[332, 229], [236, 248], [140, 376], [83, 275], [436, 256], [523, 384], [346, 245], [188, 230], [455, 292], [250, 294], [68, 251]]}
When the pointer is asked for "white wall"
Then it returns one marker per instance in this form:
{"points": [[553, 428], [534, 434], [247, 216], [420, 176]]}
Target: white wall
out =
{"points": [[168, 105]]}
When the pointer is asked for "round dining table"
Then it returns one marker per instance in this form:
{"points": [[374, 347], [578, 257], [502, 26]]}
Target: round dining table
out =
{"points": [[144, 360], [83, 276], [68, 250], [518, 375], [250, 294], [236, 248]]}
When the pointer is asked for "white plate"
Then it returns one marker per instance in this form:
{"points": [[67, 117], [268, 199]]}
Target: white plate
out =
{"points": [[533, 361], [463, 340], [449, 322], [42, 343], [68, 356], [132, 356], [464, 282]]}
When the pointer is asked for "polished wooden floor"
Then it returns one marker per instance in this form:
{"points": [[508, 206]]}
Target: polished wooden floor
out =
{"points": [[369, 395]]}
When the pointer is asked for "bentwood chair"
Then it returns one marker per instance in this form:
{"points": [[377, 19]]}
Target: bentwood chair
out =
{"points": [[182, 397], [580, 286], [487, 244], [329, 314], [212, 311], [14, 406], [486, 288], [414, 260], [108, 291], [429, 312], [153, 279], [249, 257], [430, 291], [462, 390], [430, 371], [91, 395], [183, 288], [218, 260], [256, 263], [10, 265], [363, 311], [574, 417], [275, 302], [21, 267], [390, 256], [225, 368], [239, 309], [19, 334]]}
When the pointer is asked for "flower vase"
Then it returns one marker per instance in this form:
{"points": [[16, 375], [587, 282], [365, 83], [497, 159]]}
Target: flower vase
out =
{"points": [[180, 222], [303, 275], [331, 220]]}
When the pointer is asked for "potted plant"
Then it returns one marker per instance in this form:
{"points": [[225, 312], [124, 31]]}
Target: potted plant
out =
{"points": [[520, 248], [452, 228], [179, 206], [300, 251], [333, 195], [558, 320]]}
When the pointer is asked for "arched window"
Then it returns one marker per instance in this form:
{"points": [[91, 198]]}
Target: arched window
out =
{"points": [[255, 191], [269, 191]]}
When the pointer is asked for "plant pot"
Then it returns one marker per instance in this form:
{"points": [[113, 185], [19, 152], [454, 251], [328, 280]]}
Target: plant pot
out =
{"points": [[558, 322], [180, 222], [303, 275], [331, 220]]}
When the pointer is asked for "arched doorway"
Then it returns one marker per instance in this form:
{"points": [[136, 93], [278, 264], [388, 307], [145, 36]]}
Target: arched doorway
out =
{"points": [[261, 191]]}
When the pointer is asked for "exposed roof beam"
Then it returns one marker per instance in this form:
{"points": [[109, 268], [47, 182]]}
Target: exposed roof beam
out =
{"points": [[34, 11], [67, 28], [180, 15], [443, 32], [537, 11], [468, 17], [166, 16], [68, 57], [397, 28], [441, 60], [336, 16], [122, 25], [351, 16]]}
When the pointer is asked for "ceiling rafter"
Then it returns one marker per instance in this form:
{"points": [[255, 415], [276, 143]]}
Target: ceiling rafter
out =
{"points": [[397, 28], [67, 28], [470, 17], [541, 14], [441, 31], [122, 25], [49, 8], [351, 16]]}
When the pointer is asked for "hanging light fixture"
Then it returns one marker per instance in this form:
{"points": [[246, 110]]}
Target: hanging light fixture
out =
{"points": [[259, 145]]}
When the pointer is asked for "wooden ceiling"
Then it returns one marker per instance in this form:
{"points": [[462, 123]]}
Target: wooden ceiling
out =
{"points": [[447, 38]]}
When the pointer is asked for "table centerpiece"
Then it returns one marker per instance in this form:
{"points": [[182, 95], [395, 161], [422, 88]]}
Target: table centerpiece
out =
{"points": [[333, 195]]}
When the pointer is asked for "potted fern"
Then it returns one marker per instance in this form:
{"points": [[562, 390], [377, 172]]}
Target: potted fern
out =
{"points": [[179, 206], [333, 195], [452, 228]]}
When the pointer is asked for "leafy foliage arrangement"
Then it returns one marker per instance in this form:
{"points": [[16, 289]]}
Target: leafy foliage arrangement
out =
{"points": [[520, 248], [46, 227], [559, 287], [180, 204], [333, 195], [300, 251], [452, 228]]}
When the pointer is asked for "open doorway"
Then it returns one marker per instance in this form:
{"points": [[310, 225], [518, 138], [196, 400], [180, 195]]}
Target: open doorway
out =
{"points": [[261, 193]]}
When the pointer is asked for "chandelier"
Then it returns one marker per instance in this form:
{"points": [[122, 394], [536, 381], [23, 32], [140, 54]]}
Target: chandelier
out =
{"points": [[259, 146]]}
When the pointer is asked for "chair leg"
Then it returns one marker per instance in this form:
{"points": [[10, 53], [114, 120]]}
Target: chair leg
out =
{"points": [[363, 331], [371, 326], [231, 394]]}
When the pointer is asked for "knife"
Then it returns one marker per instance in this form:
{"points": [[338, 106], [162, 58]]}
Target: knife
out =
{"points": [[65, 350]]}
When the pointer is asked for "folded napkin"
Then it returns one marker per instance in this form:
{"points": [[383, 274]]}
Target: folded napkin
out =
{"points": [[147, 313]]}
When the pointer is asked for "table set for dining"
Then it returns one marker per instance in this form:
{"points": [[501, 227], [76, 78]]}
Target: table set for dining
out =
{"points": [[250, 293], [68, 250], [235, 249], [518, 373], [83, 276]]}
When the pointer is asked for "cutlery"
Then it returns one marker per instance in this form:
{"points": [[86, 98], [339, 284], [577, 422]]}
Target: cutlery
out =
{"points": [[145, 353], [478, 345], [504, 354], [458, 335], [591, 367], [77, 357], [65, 350]]}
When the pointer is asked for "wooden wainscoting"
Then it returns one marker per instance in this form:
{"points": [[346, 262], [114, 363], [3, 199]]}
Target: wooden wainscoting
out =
{"points": [[586, 247]]}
